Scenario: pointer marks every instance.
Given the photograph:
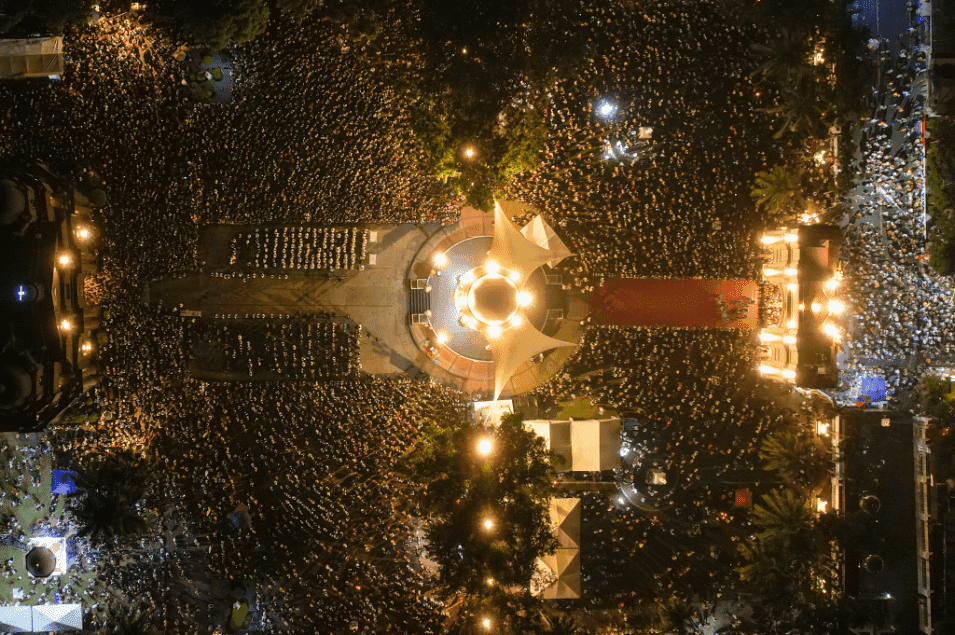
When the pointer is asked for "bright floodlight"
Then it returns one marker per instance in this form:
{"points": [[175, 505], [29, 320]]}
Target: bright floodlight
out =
{"points": [[836, 307], [82, 233], [442, 337], [831, 284], [490, 581], [440, 260], [492, 267], [493, 330], [830, 329], [515, 276], [64, 260], [469, 152], [791, 238], [467, 278], [606, 109], [488, 524], [516, 320], [66, 324], [524, 298], [789, 374], [791, 272], [485, 446], [486, 623]]}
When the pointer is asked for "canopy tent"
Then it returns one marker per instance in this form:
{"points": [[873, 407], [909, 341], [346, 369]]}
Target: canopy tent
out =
{"points": [[560, 571], [565, 565], [591, 445], [33, 57], [565, 516], [514, 347], [64, 482], [58, 617], [40, 562], [512, 251], [16, 619], [543, 235], [596, 444], [556, 435]]}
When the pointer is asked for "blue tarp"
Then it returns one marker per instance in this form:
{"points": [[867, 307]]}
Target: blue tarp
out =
{"points": [[64, 481], [873, 387]]}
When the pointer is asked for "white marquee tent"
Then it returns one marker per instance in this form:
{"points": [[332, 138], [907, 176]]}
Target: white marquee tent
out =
{"points": [[560, 571], [16, 619], [590, 445], [33, 57], [57, 617]]}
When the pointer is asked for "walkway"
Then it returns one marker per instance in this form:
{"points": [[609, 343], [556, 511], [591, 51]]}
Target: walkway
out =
{"points": [[376, 297]]}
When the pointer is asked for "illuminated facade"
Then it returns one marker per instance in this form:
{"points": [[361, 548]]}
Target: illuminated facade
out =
{"points": [[801, 313], [49, 356]]}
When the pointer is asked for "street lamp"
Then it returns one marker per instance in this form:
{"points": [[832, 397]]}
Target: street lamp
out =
{"points": [[486, 623], [606, 109], [485, 446], [488, 523]]}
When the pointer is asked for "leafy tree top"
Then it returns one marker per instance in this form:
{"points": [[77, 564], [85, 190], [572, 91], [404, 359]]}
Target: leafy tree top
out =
{"points": [[508, 488]]}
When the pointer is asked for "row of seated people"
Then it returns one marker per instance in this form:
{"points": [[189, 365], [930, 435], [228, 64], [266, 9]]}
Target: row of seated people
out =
{"points": [[300, 247], [304, 348]]}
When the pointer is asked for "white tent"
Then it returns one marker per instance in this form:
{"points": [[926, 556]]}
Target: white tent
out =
{"points": [[556, 435], [34, 57], [596, 444], [565, 565], [559, 577], [514, 347], [591, 445], [16, 619], [565, 516], [58, 617], [512, 250], [542, 234]]}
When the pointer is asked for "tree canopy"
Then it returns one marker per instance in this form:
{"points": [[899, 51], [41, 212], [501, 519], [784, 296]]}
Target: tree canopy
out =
{"points": [[486, 514]]}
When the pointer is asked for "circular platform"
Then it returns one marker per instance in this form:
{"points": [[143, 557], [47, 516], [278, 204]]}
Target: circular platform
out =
{"points": [[457, 355], [493, 296]]}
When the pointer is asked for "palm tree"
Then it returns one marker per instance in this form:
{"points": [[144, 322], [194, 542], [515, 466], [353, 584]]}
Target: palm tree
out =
{"points": [[564, 625], [779, 192], [797, 457], [783, 514], [112, 487], [787, 58], [128, 620]]}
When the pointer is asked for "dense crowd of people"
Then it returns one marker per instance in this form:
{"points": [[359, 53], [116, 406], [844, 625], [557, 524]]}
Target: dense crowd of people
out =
{"points": [[904, 321], [304, 348], [307, 248], [316, 135], [687, 212]]}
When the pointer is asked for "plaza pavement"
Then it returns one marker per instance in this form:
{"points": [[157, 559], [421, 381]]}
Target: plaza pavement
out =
{"points": [[375, 297]]}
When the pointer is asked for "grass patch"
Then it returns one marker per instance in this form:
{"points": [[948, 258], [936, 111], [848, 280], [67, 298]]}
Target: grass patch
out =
{"points": [[580, 408]]}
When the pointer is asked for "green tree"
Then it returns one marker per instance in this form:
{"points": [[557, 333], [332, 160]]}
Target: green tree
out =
{"points": [[218, 23], [487, 516], [937, 398], [786, 59], [46, 16], [780, 192], [112, 486], [128, 620], [797, 456]]}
